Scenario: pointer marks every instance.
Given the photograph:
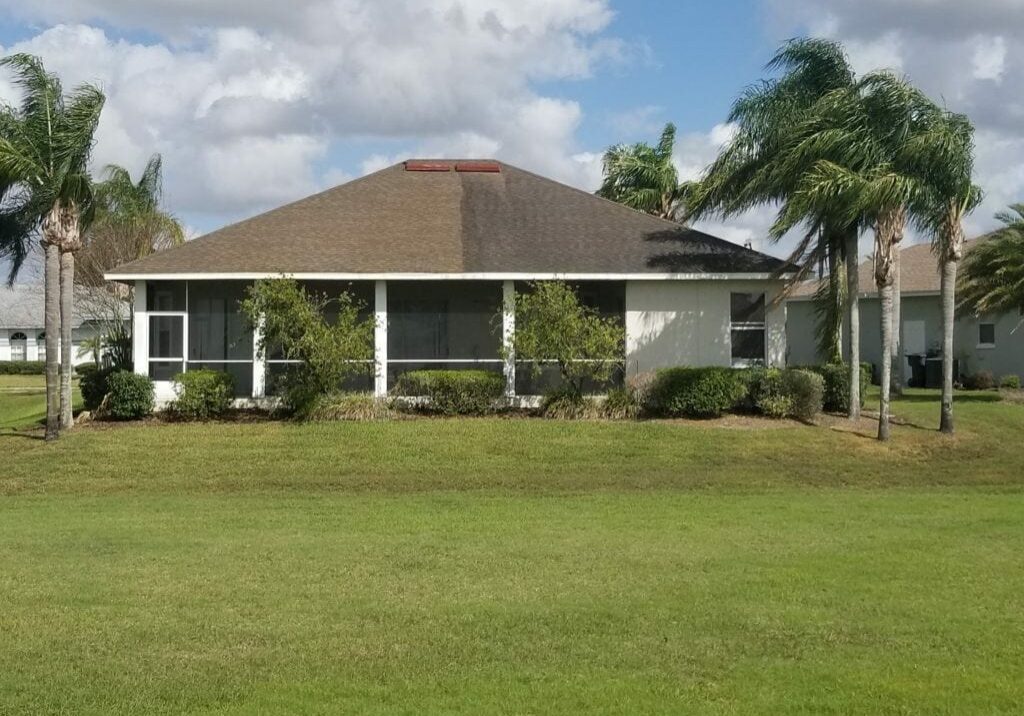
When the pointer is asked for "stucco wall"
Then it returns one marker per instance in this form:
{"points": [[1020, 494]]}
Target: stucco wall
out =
{"points": [[922, 332], [671, 323]]}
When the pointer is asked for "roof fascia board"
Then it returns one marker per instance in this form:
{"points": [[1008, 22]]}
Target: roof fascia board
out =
{"points": [[484, 276]]}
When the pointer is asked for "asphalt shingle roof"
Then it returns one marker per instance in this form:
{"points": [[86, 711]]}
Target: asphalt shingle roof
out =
{"points": [[507, 221]]}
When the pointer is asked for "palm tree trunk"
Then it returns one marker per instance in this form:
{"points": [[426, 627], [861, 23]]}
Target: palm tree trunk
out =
{"points": [[948, 290], [885, 296], [51, 321], [853, 319], [67, 279], [835, 323], [897, 333]]}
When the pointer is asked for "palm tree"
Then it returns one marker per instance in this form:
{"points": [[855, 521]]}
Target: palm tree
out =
{"points": [[866, 165], [45, 145], [992, 280], [129, 223], [643, 177], [946, 154], [748, 172]]}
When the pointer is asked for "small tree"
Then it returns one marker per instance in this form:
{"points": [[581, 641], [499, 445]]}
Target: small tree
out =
{"points": [[292, 321], [553, 326]]}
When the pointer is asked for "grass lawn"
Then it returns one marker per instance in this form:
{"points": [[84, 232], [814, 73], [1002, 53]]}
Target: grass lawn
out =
{"points": [[23, 400], [516, 566]]}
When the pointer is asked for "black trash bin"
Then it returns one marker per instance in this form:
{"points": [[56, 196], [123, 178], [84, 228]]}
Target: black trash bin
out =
{"points": [[917, 370]]}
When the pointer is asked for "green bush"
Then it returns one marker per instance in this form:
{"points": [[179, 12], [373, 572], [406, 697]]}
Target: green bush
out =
{"points": [[453, 392], [836, 398], [349, 406], [23, 367], [621, 404], [805, 390], [202, 394], [566, 403], [130, 395], [1010, 382], [92, 381], [768, 393], [697, 392]]}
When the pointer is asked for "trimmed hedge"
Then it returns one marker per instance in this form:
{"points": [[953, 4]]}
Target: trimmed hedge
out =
{"points": [[203, 394], [453, 392], [1010, 382], [836, 397], [23, 367], [697, 392], [982, 380], [93, 382], [130, 396]]}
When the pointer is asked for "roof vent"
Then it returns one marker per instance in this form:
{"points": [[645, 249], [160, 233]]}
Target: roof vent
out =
{"points": [[414, 166], [485, 167]]}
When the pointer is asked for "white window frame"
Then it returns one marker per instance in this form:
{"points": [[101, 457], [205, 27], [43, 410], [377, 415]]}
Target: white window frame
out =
{"points": [[761, 326], [21, 343]]}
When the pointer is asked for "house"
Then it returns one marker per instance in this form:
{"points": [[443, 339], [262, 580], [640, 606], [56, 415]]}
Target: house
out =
{"points": [[436, 250], [22, 337], [980, 343]]}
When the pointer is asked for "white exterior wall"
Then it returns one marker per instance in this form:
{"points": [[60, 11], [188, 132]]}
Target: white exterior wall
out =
{"points": [[677, 323], [33, 345]]}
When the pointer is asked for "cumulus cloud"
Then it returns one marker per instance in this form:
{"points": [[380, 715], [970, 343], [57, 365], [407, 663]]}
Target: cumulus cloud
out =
{"points": [[246, 100]]}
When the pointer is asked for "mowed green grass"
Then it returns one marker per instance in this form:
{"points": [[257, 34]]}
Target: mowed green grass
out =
{"points": [[516, 566], [23, 400]]}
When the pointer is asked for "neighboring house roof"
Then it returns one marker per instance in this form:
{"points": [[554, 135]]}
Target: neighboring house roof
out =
{"points": [[453, 217], [919, 273], [21, 308]]}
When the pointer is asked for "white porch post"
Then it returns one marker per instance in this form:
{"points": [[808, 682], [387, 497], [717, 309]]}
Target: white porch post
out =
{"points": [[140, 331], [508, 331], [259, 361], [380, 338]]}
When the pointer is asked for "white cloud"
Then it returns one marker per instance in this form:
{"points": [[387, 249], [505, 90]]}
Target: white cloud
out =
{"points": [[247, 109], [989, 59]]}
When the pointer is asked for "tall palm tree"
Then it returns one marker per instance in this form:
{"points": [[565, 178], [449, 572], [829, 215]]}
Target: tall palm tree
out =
{"points": [[945, 151], [992, 280], [866, 165], [769, 118], [643, 177], [45, 145]]}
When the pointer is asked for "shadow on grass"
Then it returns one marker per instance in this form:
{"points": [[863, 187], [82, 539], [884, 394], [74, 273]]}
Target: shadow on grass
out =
{"points": [[978, 397]]}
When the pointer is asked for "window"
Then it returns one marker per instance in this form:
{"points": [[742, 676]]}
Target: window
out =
{"points": [[41, 346], [166, 347], [19, 343], [747, 329], [986, 335]]}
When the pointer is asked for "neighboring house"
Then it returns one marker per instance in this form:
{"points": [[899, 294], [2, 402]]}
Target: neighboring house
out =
{"points": [[992, 343], [21, 325], [436, 251]]}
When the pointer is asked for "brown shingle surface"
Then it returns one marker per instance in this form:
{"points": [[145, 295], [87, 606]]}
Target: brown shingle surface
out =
{"points": [[919, 273], [397, 221]]}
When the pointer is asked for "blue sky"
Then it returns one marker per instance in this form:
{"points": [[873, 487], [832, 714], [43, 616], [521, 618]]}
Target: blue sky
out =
{"points": [[254, 103]]}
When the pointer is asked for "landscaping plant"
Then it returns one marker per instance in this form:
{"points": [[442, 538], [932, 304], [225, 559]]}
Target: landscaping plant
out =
{"points": [[202, 394], [553, 326], [697, 392], [292, 321], [130, 396], [453, 392]]}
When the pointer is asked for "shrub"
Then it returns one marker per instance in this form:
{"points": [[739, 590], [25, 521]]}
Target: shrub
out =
{"points": [[130, 395], [697, 392], [23, 367], [202, 394], [92, 381], [982, 380], [768, 394], [836, 397], [349, 406], [567, 404], [805, 390], [621, 404], [453, 392], [554, 326], [294, 324], [1010, 382]]}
